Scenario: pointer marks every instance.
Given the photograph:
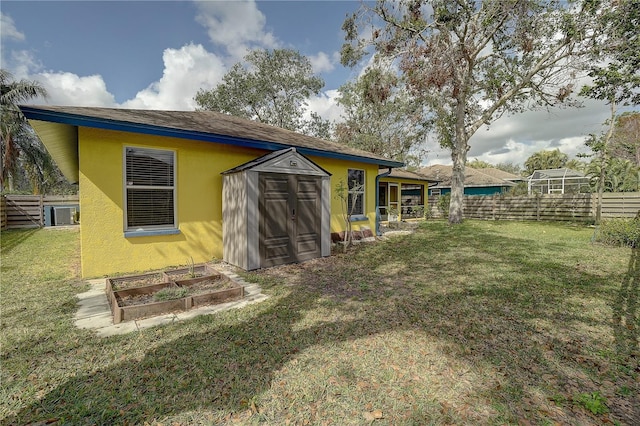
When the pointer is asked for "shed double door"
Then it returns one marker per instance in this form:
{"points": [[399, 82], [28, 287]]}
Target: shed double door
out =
{"points": [[290, 225]]}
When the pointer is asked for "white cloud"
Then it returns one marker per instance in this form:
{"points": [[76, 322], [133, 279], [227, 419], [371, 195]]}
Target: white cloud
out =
{"points": [[23, 64], [325, 105], [8, 28], [237, 26], [321, 62], [513, 139], [65, 88], [185, 71]]}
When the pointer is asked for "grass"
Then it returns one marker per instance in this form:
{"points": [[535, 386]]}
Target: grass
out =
{"points": [[170, 294], [483, 323]]}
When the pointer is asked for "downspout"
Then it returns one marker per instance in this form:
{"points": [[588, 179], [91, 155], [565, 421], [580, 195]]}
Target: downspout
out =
{"points": [[378, 233]]}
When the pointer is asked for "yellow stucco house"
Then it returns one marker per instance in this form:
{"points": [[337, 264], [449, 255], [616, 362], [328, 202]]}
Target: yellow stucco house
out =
{"points": [[159, 188]]}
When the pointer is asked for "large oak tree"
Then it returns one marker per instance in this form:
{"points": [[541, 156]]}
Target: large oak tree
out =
{"points": [[380, 117], [272, 87], [470, 62]]}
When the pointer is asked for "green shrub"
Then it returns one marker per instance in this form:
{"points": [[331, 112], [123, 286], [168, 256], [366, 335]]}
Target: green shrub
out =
{"points": [[620, 232], [443, 204]]}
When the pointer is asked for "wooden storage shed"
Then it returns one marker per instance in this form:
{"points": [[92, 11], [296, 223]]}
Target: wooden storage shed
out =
{"points": [[276, 210]]}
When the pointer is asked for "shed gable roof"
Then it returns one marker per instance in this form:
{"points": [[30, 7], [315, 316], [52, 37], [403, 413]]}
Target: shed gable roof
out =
{"points": [[283, 161], [205, 126]]}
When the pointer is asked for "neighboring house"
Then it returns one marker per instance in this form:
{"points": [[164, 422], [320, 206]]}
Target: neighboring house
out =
{"points": [[402, 194], [476, 181], [161, 188], [501, 174], [558, 181]]}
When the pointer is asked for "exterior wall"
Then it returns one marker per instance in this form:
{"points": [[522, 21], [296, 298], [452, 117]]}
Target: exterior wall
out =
{"points": [[105, 250], [486, 190], [338, 170], [235, 216], [199, 165], [481, 190]]}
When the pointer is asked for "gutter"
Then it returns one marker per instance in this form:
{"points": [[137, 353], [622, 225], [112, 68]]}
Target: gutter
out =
{"points": [[378, 233]]}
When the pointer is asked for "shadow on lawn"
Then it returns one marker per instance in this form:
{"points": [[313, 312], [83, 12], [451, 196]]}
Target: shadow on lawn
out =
{"points": [[13, 238], [225, 367], [626, 320]]}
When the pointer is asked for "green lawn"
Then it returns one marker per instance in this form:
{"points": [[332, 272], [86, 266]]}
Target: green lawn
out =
{"points": [[483, 323]]}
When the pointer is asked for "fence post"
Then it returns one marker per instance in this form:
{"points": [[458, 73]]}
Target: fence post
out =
{"points": [[3, 212], [41, 202], [538, 206], [493, 207]]}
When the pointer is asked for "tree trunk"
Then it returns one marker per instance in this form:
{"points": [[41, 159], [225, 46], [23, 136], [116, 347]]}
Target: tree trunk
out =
{"points": [[605, 160], [600, 189], [457, 186], [459, 157]]}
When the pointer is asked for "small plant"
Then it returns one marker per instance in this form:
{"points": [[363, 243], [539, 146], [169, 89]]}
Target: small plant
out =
{"points": [[394, 214], [192, 268], [170, 293], [420, 212], [593, 402], [443, 205], [347, 195]]}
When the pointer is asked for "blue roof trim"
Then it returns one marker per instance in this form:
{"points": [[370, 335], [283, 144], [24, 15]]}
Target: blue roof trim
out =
{"points": [[149, 129]]}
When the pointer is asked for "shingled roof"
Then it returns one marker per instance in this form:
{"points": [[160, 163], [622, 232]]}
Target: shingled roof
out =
{"points": [[500, 174], [405, 174], [205, 126], [472, 178]]}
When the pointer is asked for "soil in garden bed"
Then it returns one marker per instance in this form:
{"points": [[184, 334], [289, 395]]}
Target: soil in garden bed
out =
{"points": [[136, 299], [208, 285], [189, 273], [125, 283]]}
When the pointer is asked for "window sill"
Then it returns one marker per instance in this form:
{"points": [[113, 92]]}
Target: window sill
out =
{"points": [[359, 218], [151, 233]]}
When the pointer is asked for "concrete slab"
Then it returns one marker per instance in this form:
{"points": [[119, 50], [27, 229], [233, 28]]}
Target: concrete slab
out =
{"points": [[104, 319], [117, 329], [94, 311], [153, 321]]}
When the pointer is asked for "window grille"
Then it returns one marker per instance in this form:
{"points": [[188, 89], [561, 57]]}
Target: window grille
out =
{"points": [[149, 188], [355, 204]]}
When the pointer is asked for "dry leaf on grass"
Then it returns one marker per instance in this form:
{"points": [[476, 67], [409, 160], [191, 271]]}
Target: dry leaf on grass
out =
{"points": [[372, 415]]}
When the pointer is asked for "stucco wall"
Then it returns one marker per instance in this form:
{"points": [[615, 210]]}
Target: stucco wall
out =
{"points": [[106, 251]]}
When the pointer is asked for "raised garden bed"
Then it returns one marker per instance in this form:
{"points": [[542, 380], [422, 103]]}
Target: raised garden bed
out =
{"points": [[131, 281], [140, 302], [211, 289], [139, 296], [187, 273]]}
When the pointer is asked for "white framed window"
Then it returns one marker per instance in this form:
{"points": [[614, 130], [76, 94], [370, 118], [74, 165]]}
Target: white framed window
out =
{"points": [[355, 204], [149, 189], [435, 191]]}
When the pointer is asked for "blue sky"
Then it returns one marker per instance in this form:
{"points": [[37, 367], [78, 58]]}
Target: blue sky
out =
{"points": [[157, 54], [130, 45]]}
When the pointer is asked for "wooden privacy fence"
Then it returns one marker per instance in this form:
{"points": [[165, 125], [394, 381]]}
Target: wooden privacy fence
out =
{"points": [[27, 211], [619, 204], [565, 207]]}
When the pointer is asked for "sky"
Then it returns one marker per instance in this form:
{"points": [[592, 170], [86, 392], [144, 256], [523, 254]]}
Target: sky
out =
{"points": [[158, 54]]}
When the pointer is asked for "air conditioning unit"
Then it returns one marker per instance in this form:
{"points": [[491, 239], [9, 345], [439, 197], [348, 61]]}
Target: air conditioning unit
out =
{"points": [[63, 215]]}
